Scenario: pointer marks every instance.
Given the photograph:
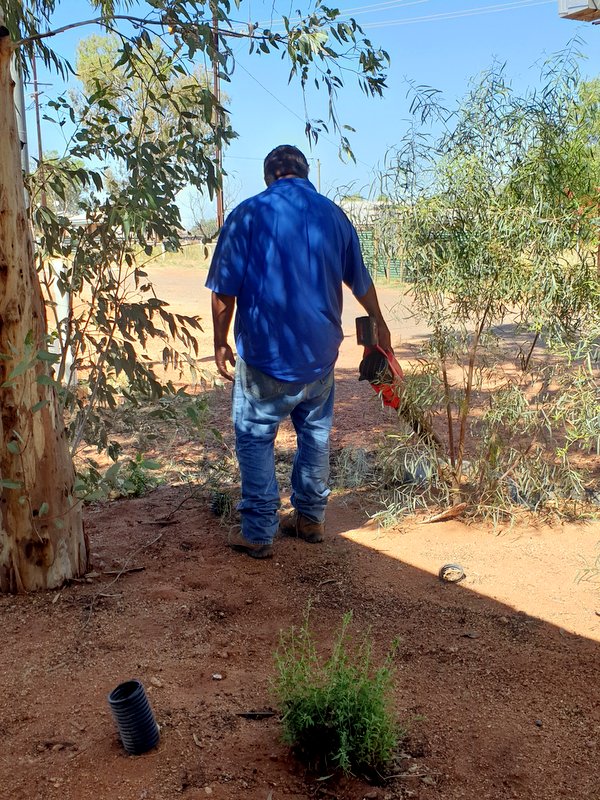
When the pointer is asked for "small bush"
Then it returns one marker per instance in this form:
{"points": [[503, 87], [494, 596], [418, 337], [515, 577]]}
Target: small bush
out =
{"points": [[136, 478], [337, 714], [221, 504], [352, 468]]}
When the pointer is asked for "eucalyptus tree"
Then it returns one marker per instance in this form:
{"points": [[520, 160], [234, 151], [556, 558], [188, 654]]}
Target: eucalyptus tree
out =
{"points": [[146, 95], [494, 206], [42, 542], [66, 201]]}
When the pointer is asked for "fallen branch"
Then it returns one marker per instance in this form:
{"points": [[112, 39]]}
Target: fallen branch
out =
{"points": [[448, 513], [256, 714], [123, 571]]}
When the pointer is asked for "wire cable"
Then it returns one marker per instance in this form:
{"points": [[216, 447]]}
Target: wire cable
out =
{"points": [[291, 111], [379, 6], [273, 95], [447, 15], [515, 5], [344, 12]]}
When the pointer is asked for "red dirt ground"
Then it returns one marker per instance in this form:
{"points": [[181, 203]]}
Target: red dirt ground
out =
{"points": [[497, 677]]}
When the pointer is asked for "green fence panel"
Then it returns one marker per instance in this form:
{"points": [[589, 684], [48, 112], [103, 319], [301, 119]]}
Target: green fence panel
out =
{"points": [[378, 264]]}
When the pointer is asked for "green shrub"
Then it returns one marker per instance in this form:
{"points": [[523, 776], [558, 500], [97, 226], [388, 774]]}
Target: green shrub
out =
{"points": [[136, 478], [337, 714]]}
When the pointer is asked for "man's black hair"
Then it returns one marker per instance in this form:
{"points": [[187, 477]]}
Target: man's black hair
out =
{"points": [[285, 160]]}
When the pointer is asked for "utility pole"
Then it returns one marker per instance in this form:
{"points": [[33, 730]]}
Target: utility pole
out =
{"points": [[58, 267], [217, 115], [19, 95], [36, 97]]}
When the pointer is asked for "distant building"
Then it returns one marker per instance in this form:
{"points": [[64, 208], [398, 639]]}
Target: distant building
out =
{"points": [[580, 10], [378, 235], [361, 211]]}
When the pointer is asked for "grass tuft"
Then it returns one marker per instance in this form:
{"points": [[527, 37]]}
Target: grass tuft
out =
{"points": [[337, 713]]}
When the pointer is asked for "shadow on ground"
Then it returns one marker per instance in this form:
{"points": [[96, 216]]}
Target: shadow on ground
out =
{"points": [[499, 704]]}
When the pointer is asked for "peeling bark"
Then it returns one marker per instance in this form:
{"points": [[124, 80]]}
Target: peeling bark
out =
{"points": [[42, 542]]}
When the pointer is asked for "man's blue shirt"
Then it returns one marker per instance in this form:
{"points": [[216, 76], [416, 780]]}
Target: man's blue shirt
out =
{"points": [[284, 255]]}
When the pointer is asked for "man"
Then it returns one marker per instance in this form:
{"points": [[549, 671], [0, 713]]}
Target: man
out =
{"points": [[282, 256]]}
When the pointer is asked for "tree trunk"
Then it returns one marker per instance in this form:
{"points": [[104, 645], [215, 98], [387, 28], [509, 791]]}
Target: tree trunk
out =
{"points": [[42, 542]]}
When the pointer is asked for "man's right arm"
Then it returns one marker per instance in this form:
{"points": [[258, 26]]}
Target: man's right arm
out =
{"points": [[357, 278], [223, 306]]}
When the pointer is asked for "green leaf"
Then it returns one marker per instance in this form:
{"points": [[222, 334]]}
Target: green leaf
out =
{"points": [[217, 434], [38, 406], [51, 358], [13, 447], [43, 509], [46, 380], [20, 369], [7, 484], [112, 472], [148, 463]]}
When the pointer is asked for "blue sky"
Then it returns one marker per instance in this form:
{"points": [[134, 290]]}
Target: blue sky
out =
{"points": [[439, 43]]}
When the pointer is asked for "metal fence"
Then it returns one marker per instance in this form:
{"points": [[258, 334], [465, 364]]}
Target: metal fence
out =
{"points": [[379, 263]]}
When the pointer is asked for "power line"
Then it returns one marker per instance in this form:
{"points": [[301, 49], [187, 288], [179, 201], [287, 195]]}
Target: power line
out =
{"points": [[291, 111], [364, 9], [257, 158], [268, 91], [445, 15], [472, 12], [379, 6]]}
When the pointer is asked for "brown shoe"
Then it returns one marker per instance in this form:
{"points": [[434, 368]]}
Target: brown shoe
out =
{"points": [[237, 541], [296, 524]]}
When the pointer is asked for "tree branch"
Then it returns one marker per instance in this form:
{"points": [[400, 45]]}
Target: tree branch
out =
{"points": [[140, 22]]}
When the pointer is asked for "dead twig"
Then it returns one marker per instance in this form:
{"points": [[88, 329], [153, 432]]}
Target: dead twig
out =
{"points": [[408, 775], [256, 714], [448, 513], [123, 571], [193, 495], [57, 744]]}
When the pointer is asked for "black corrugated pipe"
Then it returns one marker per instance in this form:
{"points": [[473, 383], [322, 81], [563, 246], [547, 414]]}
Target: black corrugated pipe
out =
{"points": [[132, 713]]}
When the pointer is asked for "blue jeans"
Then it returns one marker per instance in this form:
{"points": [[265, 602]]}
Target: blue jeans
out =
{"points": [[260, 403]]}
